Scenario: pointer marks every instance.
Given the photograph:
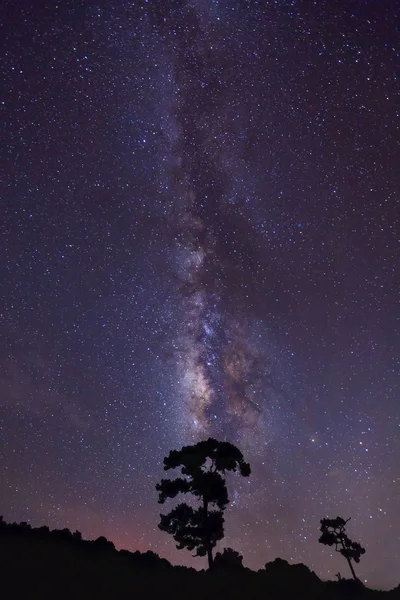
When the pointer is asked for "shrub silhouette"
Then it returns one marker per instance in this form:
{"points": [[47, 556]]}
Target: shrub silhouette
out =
{"points": [[202, 466], [229, 559], [103, 545]]}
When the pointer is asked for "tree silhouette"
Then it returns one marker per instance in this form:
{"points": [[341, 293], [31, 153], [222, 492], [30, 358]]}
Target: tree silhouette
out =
{"points": [[334, 534], [202, 466]]}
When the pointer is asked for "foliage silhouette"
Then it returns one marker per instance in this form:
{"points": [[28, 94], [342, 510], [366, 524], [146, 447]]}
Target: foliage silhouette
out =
{"points": [[283, 573], [229, 559], [334, 534], [202, 466]]}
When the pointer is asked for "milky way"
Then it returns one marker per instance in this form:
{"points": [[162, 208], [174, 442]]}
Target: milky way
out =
{"points": [[220, 364], [200, 238]]}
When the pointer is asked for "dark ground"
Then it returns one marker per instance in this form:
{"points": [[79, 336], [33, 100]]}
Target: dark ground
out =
{"points": [[59, 564]]}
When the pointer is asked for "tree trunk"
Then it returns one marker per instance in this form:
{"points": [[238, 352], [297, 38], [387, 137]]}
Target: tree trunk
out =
{"points": [[351, 568], [210, 559], [350, 565], [207, 542]]}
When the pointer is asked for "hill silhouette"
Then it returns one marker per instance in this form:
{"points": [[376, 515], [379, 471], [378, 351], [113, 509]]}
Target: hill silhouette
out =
{"points": [[60, 563]]}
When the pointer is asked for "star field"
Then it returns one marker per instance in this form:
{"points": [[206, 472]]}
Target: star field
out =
{"points": [[200, 234]]}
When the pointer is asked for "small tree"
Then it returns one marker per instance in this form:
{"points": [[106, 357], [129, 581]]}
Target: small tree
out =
{"points": [[334, 534], [202, 466]]}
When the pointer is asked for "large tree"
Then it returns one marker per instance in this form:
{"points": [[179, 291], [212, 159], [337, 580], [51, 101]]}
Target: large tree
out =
{"points": [[202, 467], [334, 534]]}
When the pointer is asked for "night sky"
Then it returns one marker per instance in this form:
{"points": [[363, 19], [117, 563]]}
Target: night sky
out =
{"points": [[199, 238]]}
